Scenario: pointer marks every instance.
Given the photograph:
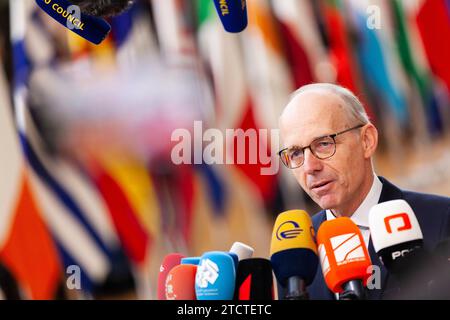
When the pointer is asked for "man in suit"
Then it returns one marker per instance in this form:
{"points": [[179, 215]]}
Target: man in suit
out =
{"points": [[330, 143]]}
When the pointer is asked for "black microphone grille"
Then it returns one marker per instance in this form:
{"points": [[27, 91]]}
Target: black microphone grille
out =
{"points": [[103, 8]]}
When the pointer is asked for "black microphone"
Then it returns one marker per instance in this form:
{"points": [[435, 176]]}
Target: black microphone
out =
{"points": [[85, 17], [103, 8], [254, 280], [233, 14]]}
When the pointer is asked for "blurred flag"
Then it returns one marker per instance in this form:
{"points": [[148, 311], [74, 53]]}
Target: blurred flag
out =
{"points": [[74, 213], [341, 53], [227, 208], [26, 246], [295, 26], [269, 79], [222, 53], [433, 21], [133, 35], [174, 188], [195, 199], [175, 34], [211, 192], [299, 20], [378, 68], [381, 73], [236, 107], [339, 47], [413, 59], [127, 201]]}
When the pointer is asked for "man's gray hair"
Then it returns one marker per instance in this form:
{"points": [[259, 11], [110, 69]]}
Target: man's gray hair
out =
{"points": [[352, 104]]}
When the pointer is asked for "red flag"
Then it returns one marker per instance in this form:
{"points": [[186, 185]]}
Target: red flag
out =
{"points": [[433, 22]]}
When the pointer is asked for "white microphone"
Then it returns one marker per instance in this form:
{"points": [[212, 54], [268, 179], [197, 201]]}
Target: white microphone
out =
{"points": [[242, 250], [395, 233]]}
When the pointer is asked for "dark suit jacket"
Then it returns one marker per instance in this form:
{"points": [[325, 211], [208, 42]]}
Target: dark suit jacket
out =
{"points": [[433, 214]]}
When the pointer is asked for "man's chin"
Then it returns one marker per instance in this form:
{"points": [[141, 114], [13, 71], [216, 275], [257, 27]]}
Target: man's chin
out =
{"points": [[327, 202]]}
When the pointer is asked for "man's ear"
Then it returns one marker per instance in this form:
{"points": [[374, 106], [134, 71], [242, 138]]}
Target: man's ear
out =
{"points": [[369, 136]]}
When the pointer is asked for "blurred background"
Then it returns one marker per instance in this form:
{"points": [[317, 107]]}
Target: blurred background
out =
{"points": [[87, 177]]}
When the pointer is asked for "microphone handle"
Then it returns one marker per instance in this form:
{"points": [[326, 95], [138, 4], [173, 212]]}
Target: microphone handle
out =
{"points": [[353, 290], [296, 289]]}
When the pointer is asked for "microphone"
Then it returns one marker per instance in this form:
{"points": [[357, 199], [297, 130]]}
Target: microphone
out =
{"points": [[216, 276], [395, 234], [254, 280], [70, 16], [235, 258], [103, 8], [180, 283], [344, 258], [242, 250], [398, 241], [191, 260], [294, 253], [169, 262], [233, 14]]}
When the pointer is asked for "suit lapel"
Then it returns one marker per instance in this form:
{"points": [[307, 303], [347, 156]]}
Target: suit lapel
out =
{"points": [[389, 192], [375, 294], [325, 293]]}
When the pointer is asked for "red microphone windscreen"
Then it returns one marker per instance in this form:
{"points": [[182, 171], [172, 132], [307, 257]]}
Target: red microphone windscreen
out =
{"points": [[169, 261], [180, 282]]}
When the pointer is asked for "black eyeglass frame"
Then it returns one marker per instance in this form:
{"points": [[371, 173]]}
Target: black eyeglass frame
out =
{"points": [[332, 136]]}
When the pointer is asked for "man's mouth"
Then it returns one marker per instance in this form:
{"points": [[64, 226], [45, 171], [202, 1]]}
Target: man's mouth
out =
{"points": [[321, 186]]}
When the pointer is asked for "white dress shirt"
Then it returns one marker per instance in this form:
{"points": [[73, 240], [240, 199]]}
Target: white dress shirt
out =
{"points": [[361, 216]]}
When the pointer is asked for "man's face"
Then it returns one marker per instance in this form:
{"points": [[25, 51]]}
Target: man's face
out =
{"points": [[332, 182]]}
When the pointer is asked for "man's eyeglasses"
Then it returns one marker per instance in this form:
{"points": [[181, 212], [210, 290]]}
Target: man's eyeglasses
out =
{"points": [[322, 148]]}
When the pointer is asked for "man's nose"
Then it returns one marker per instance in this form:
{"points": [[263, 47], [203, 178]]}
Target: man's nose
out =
{"points": [[311, 163]]}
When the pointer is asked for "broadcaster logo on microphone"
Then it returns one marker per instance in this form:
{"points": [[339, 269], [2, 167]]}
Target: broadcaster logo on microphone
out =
{"points": [[207, 272], [288, 230]]}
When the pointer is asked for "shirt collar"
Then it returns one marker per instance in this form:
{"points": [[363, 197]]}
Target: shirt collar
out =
{"points": [[361, 216]]}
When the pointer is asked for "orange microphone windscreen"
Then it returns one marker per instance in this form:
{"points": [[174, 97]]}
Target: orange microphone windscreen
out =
{"points": [[343, 254]]}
